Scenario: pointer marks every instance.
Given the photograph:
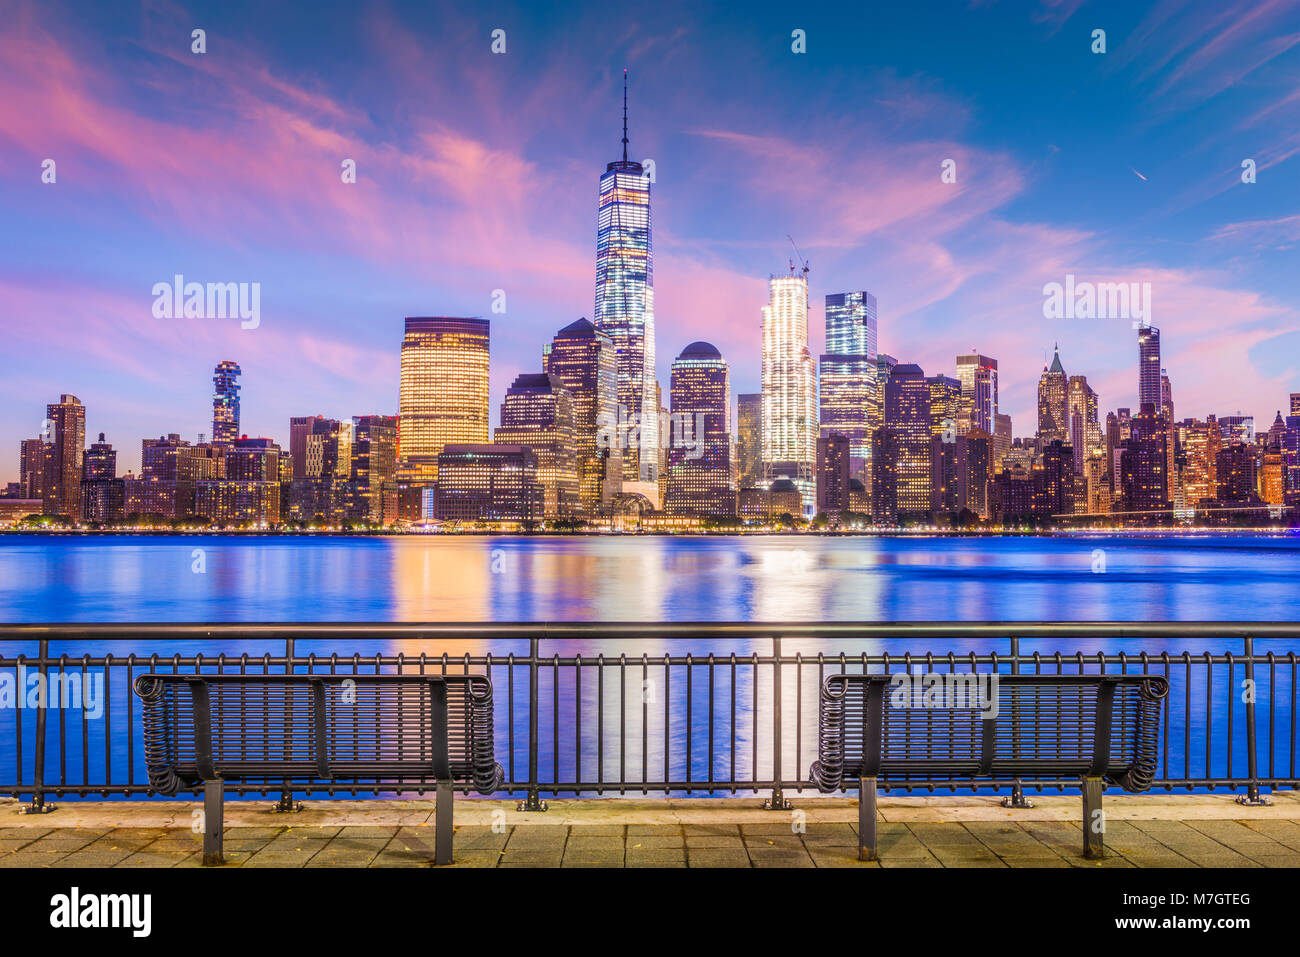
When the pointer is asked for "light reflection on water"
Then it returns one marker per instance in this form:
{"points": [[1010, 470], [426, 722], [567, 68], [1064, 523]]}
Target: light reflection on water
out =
{"points": [[645, 578], [648, 578]]}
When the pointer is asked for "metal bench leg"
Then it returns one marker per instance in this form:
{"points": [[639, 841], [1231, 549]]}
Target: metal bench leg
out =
{"points": [[213, 823], [1094, 819], [442, 813], [867, 847]]}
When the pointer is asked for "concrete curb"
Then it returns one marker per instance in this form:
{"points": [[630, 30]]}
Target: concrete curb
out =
{"points": [[641, 811]]}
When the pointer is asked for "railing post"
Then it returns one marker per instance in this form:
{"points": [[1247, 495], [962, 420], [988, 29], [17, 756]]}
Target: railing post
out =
{"points": [[533, 801], [38, 805], [1252, 797], [286, 804], [777, 801], [1017, 798]]}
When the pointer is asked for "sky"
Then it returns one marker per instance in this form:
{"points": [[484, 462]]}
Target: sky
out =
{"points": [[477, 171]]}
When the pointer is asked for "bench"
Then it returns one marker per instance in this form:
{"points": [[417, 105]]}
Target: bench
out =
{"points": [[965, 727], [378, 731]]}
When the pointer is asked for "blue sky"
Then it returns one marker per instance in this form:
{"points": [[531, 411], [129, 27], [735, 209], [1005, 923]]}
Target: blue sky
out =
{"points": [[478, 172]]}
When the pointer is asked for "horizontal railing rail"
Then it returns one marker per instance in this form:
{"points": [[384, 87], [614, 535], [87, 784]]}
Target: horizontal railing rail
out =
{"points": [[634, 708]]}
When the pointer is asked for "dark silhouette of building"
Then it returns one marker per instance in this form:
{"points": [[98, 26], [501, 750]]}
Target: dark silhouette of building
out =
{"points": [[834, 460]]}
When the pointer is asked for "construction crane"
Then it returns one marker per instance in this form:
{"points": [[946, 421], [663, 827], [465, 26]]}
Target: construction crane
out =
{"points": [[803, 261]]}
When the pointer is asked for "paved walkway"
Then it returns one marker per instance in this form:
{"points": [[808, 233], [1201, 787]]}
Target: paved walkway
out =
{"points": [[1142, 831]]}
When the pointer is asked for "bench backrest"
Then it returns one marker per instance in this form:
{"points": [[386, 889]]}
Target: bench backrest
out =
{"points": [[414, 729], [994, 726]]}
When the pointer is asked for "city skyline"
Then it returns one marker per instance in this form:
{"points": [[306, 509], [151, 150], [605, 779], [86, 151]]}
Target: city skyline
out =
{"points": [[1226, 319]]}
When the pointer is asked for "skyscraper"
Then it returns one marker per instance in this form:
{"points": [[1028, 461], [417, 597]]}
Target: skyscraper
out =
{"points": [[1149, 367], [848, 373], [583, 359], [444, 394], [749, 440], [1200, 442], [789, 387], [1144, 463], [907, 417], [945, 406], [103, 495], [1053, 403], [61, 487], [699, 479], [225, 403], [31, 468], [538, 414], [625, 304], [834, 457], [373, 474], [1085, 429], [492, 483], [978, 375]]}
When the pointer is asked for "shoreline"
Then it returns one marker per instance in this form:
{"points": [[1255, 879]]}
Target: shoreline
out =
{"points": [[1189, 532]]}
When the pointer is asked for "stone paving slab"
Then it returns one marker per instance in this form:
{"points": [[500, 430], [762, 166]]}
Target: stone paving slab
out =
{"points": [[1142, 831]]}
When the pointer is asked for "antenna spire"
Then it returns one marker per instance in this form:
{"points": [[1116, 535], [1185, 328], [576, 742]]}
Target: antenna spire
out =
{"points": [[624, 114]]}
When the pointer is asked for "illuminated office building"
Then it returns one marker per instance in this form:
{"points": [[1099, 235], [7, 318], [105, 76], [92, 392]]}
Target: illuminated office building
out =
{"points": [[249, 494], [749, 440], [876, 402], [1237, 428], [848, 373], [1085, 429], [907, 417], [1053, 404], [1269, 482], [1200, 443], [1144, 463], [64, 450], [978, 375], [1291, 454], [373, 473], [319, 467], [789, 388], [537, 414], [625, 305], [444, 391], [225, 403], [699, 474], [945, 406], [584, 360], [489, 483]]}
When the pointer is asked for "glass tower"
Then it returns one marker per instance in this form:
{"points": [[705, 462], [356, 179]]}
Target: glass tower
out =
{"points": [[625, 304], [583, 359], [225, 403], [1149, 366], [699, 479], [848, 374]]}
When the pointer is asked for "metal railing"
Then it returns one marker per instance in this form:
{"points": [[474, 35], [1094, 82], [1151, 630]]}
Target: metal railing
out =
{"points": [[587, 709]]}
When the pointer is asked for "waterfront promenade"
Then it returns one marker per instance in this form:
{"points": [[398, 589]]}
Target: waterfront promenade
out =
{"points": [[1152, 830]]}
